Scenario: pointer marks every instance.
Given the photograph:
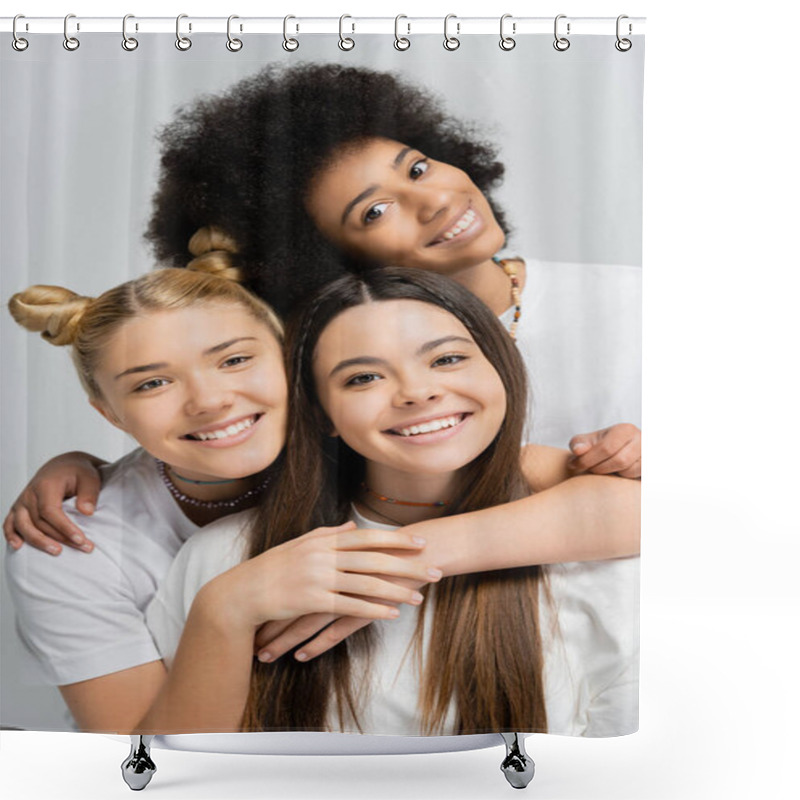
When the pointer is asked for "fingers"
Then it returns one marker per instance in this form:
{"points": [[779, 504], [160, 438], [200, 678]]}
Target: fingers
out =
{"points": [[373, 539], [330, 637], [12, 537], [634, 471], [19, 522], [385, 564], [611, 450], [348, 583], [53, 522], [289, 633], [87, 491]]}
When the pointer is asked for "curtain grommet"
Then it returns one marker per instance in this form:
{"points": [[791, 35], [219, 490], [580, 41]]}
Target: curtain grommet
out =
{"points": [[346, 43], [623, 44], [401, 43], [289, 43], [507, 43], [17, 41], [70, 43], [183, 43], [451, 43], [233, 44], [129, 43], [561, 43]]}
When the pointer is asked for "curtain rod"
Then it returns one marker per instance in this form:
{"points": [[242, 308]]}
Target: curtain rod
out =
{"points": [[462, 26]]}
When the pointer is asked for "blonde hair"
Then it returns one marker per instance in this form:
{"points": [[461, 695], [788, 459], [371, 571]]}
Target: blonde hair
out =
{"points": [[87, 323]]}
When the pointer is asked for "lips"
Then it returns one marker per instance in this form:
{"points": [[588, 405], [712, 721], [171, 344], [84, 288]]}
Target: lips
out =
{"points": [[428, 426], [225, 430], [466, 222]]}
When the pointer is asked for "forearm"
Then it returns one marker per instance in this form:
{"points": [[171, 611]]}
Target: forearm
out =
{"points": [[207, 685], [587, 518]]}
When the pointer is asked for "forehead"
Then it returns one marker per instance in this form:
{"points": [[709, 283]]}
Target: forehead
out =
{"points": [[361, 158], [386, 327], [195, 327]]}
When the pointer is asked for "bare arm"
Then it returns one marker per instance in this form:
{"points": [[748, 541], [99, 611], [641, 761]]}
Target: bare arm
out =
{"points": [[586, 518], [114, 703], [334, 570]]}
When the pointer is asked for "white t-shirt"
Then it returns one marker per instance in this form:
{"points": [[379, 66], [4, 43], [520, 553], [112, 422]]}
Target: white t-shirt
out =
{"points": [[580, 335], [591, 657], [81, 615]]}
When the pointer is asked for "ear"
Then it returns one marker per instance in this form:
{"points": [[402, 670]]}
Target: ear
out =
{"points": [[105, 410]]}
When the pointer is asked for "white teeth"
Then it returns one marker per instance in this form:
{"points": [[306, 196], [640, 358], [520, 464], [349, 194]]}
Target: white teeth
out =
{"points": [[430, 427], [461, 225], [223, 433]]}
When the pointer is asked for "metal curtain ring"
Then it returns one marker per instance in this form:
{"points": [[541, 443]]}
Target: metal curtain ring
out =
{"points": [[623, 45], [561, 43], [182, 42], [507, 42], [70, 42], [345, 42], [401, 42], [451, 42], [128, 42], [289, 44], [233, 44], [18, 43]]}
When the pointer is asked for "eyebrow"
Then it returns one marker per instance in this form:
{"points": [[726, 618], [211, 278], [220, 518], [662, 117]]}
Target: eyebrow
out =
{"points": [[217, 348], [373, 361], [398, 160]]}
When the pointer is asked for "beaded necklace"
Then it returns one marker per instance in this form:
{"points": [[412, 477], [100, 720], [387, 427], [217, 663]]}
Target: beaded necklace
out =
{"points": [[208, 504], [435, 504], [510, 269]]}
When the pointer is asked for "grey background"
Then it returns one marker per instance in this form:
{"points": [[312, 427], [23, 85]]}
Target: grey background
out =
{"points": [[78, 162]]}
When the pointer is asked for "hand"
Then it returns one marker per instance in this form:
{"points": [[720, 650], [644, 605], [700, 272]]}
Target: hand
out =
{"points": [[341, 571], [36, 517], [275, 639], [615, 450]]}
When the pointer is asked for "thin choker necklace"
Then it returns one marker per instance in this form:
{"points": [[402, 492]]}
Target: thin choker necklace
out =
{"points": [[207, 504], [395, 501], [510, 269]]}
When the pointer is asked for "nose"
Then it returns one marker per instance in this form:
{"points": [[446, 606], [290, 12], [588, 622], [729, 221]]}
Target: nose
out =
{"points": [[431, 201], [206, 395], [416, 391]]}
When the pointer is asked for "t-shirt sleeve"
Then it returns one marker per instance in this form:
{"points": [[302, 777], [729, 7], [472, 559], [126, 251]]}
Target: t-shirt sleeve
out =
{"points": [[77, 613]]}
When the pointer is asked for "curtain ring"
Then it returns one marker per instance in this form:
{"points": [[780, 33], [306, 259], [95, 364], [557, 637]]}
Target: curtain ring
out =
{"points": [[234, 45], [507, 42], [18, 43], [70, 42], [451, 42], [561, 43], [289, 44], [401, 42], [182, 42], [346, 42], [128, 42], [623, 45]]}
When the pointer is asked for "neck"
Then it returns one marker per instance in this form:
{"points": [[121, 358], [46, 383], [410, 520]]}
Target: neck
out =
{"points": [[488, 283], [409, 488], [222, 491]]}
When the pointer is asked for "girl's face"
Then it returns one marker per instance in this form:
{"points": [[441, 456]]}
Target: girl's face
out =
{"points": [[390, 204], [406, 386], [202, 388]]}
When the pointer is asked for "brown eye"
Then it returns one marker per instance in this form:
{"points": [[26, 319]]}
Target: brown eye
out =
{"points": [[419, 168], [375, 212]]}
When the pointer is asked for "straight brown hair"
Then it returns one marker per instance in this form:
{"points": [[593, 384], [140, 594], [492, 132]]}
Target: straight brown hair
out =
{"points": [[484, 653]]}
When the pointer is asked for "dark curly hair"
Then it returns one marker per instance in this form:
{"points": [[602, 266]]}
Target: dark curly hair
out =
{"points": [[243, 161]]}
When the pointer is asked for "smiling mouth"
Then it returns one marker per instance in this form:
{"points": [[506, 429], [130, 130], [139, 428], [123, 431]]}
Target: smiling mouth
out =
{"points": [[464, 223], [429, 427], [224, 432]]}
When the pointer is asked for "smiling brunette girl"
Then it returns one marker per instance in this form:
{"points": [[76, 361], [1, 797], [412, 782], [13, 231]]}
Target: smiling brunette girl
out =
{"points": [[407, 406], [191, 366]]}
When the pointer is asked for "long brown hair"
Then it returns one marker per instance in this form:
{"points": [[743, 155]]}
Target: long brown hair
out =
{"points": [[484, 649]]}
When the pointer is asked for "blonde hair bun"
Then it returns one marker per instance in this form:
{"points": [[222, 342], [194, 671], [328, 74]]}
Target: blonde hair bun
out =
{"points": [[213, 252], [53, 311]]}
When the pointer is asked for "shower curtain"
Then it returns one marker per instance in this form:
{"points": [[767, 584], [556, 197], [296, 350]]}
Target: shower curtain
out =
{"points": [[80, 171]]}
